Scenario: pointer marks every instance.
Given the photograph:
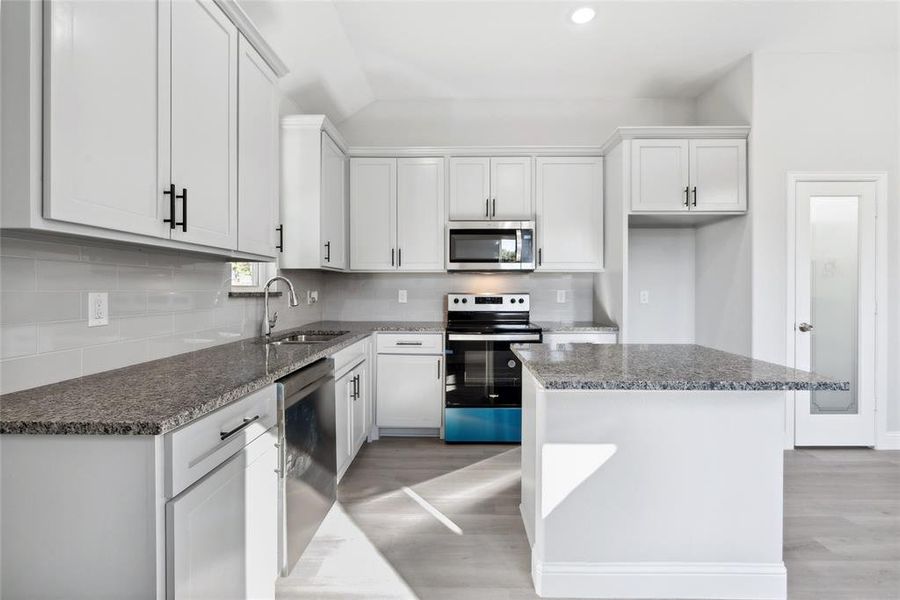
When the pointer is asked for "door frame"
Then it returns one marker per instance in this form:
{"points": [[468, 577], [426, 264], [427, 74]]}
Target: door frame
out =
{"points": [[881, 343]]}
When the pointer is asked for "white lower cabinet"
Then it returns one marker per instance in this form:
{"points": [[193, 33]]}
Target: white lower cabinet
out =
{"points": [[410, 390], [352, 399], [222, 533], [343, 389]]}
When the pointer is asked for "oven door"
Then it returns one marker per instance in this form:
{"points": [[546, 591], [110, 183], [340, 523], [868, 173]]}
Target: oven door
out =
{"points": [[490, 246], [482, 373]]}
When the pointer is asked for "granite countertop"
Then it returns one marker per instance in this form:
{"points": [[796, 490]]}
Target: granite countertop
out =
{"points": [[575, 327], [155, 397], [660, 367]]}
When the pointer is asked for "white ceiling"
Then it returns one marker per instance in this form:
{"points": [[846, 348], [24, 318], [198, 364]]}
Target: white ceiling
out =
{"points": [[345, 54]]}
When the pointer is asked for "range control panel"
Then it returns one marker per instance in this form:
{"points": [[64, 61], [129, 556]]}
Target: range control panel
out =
{"points": [[489, 302]]}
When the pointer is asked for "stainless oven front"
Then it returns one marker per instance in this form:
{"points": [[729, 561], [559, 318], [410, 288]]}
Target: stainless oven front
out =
{"points": [[490, 246]]}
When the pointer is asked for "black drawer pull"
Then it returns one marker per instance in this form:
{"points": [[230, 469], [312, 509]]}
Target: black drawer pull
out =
{"points": [[280, 230], [223, 435]]}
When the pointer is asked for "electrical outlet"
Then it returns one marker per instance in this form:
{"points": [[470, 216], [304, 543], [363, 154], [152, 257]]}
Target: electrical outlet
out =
{"points": [[645, 297], [98, 309], [401, 297], [312, 296], [561, 296]]}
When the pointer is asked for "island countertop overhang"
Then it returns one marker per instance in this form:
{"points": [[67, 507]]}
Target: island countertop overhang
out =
{"points": [[661, 367]]}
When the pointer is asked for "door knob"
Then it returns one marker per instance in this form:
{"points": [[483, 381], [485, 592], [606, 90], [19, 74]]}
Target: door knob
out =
{"points": [[805, 327]]}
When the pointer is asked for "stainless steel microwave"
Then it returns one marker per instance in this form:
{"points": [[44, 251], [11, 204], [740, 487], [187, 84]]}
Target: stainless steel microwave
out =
{"points": [[490, 246]]}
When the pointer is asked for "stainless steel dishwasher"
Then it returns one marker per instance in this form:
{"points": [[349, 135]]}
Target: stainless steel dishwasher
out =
{"points": [[308, 466]]}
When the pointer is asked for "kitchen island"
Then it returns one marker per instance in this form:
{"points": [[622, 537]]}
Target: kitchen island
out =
{"points": [[654, 471]]}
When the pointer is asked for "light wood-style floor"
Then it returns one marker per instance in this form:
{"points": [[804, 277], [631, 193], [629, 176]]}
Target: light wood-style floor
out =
{"points": [[420, 519]]}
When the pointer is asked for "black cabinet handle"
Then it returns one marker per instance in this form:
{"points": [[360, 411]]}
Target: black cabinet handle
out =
{"points": [[487, 207], [224, 435], [280, 230], [327, 251], [183, 198], [494, 209], [392, 257], [540, 256], [687, 201], [171, 194], [439, 369], [399, 257], [695, 195]]}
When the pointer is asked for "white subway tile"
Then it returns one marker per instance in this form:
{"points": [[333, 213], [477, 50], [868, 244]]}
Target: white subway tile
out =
{"points": [[145, 278], [17, 340], [169, 301], [114, 356], [125, 303], [116, 255], [36, 307], [39, 369], [14, 246], [16, 274], [195, 320], [65, 275], [74, 334], [145, 326]]}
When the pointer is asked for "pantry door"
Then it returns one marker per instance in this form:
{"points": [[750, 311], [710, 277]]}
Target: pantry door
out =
{"points": [[834, 324]]}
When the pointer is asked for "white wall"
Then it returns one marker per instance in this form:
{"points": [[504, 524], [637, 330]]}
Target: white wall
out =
{"points": [[819, 112], [729, 100], [502, 123], [373, 297], [661, 262]]}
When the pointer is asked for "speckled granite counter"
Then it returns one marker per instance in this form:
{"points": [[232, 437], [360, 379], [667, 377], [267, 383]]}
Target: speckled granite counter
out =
{"points": [[575, 327], [155, 397], [660, 367]]}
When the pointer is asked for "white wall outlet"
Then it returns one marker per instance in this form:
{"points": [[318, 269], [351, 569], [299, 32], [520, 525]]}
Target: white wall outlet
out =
{"points": [[312, 296], [645, 297], [561, 296], [401, 296], [98, 309]]}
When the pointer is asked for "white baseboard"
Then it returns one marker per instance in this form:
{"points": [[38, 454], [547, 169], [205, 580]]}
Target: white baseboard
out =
{"points": [[724, 581], [890, 440]]}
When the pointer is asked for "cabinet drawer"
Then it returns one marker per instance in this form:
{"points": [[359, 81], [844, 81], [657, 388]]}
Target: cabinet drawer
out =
{"points": [[349, 357], [410, 343], [204, 444], [591, 337]]}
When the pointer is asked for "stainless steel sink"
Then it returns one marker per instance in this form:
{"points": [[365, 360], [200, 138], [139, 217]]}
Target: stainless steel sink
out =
{"points": [[308, 338]]}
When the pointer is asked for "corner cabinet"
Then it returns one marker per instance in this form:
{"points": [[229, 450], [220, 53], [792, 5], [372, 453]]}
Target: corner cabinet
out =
{"points": [[397, 214], [569, 206], [130, 120], [689, 175], [314, 194]]}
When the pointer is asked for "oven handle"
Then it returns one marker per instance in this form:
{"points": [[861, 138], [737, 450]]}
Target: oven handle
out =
{"points": [[494, 337]]}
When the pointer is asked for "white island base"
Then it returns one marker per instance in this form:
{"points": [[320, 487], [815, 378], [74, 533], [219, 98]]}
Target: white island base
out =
{"points": [[653, 494]]}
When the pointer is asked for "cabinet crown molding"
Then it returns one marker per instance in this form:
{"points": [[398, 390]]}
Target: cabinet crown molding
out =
{"points": [[320, 122], [248, 29], [675, 132], [471, 151]]}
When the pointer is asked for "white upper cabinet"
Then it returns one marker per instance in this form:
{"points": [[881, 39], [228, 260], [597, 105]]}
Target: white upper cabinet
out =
{"points": [[497, 188], [333, 233], [718, 175], [106, 131], [397, 214], [660, 176], [570, 213], [257, 153], [511, 189], [373, 214], [420, 214], [680, 175], [470, 189], [204, 123]]}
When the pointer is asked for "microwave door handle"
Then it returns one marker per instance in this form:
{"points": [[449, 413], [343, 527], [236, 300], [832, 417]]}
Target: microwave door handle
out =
{"points": [[518, 246]]}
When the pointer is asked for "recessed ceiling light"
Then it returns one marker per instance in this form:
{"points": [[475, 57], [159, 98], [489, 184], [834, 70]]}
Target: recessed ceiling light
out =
{"points": [[583, 15]]}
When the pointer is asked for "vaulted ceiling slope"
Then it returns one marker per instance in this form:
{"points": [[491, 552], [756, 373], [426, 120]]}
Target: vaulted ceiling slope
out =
{"points": [[345, 54]]}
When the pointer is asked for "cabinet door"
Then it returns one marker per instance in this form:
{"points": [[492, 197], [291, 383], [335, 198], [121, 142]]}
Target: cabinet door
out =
{"points": [[204, 122], [570, 213], [409, 390], [373, 214], [420, 214], [511, 189], [107, 105], [470, 189], [359, 410], [221, 535], [659, 175], [718, 175], [333, 252], [257, 153], [343, 398]]}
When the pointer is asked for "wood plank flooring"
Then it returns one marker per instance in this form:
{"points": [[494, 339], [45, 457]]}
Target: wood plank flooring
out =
{"points": [[418, 519]]}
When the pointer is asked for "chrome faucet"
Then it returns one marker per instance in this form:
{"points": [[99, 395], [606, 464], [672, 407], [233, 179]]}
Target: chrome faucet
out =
{"points": [[269, 322]]}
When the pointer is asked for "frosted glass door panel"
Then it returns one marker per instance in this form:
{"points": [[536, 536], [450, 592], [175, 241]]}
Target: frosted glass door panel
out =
{"points": [[834, 293]]}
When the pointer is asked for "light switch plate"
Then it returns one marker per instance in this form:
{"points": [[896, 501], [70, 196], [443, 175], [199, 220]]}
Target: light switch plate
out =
{"points": [[645, 297], [561, 296], [98, 309], [401, 296]]}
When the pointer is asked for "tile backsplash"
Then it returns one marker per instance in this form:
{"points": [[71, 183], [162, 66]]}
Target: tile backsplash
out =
{"points": [[365, 296], [160, 304]]}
